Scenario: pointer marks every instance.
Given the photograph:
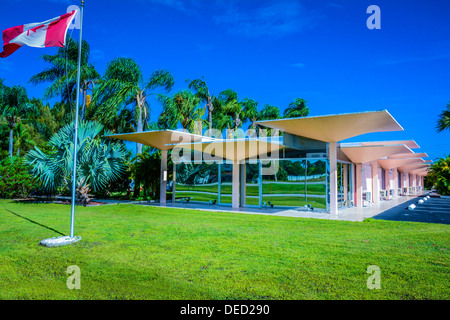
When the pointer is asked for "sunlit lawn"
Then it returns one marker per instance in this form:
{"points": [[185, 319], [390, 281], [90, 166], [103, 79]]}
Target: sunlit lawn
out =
{"points": [[144, 252]]}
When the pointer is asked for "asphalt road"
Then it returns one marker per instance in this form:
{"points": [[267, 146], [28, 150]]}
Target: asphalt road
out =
{"points": [[433, 210]]}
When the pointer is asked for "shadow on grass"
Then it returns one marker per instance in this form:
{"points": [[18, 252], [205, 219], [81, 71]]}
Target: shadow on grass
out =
{"points": [[37, 223]]}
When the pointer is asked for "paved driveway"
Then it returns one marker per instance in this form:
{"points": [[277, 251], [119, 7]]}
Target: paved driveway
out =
{"points": [[433, 210]]}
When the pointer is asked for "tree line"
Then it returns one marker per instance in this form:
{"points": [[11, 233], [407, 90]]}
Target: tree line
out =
{"points": [[39, 137], [116, 102]]}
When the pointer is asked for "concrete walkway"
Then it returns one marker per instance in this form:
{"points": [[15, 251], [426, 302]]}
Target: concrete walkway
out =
{"points": [[347, 214]]}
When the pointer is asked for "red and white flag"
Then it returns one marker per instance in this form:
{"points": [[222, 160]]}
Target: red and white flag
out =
{"points": [[50, 33]]}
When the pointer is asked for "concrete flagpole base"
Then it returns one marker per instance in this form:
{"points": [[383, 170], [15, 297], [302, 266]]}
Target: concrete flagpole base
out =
{"points": [[60, 241]]}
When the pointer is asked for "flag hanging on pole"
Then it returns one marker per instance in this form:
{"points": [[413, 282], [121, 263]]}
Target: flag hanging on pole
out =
{"points": [[50, 33]]}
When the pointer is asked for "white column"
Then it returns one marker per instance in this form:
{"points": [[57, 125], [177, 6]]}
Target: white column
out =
{"points": [[395, 182], [375, 184], [163, 177], [243, 177], [345, 183], [387, 180], [235, 186], [359, 198], [332, 153]]}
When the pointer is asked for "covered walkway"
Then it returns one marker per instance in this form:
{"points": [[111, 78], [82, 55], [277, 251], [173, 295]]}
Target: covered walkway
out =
{"points": [[346, 214]]}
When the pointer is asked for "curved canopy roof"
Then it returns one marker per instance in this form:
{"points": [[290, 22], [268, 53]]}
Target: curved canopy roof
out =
{"points": [[363, 154], [395, 163], [408, 155], [334, 128], [233, 149], [162, 140]]}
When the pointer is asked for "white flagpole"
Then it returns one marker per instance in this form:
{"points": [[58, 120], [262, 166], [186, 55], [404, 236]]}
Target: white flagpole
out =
{"points": [[75, 140]]}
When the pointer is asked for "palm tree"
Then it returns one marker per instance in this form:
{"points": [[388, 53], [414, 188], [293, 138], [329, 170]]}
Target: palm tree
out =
{"points": [[99, 160], [296, 109], [269, 112], [202, 91], [182, 108], [23, 139], [123, 85], [439, 175], [444, 119], [14, 106], [63, 74], [250, 111]]}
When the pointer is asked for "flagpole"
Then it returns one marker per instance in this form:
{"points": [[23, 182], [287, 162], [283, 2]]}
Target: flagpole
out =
{"points": [[75, 139]]}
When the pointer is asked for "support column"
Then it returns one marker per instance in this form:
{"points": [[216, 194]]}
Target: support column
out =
{"points": [[163, 178], [359, 197], [387, 181], [235, 186], [404, 183], [345, 183], [395, 182], [174, 182], [414, 183], [375, 184], [243, 187], [260, 184], [332, 153]]}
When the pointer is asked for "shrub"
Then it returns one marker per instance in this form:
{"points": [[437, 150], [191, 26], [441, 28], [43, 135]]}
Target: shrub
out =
{"points": [[439, 175], [15, 181]]}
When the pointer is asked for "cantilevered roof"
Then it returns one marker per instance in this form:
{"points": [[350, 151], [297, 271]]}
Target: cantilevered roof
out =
{"points": [[410, 168], [395, 163], [163, 140], [409, 143], [233, 149], [408, 155], [334, 128], [362, 154], [420, 172]]}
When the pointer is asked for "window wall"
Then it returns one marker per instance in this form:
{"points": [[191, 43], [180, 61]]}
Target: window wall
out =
{"points": [[196, 182], [345, 184], [300, 183]]}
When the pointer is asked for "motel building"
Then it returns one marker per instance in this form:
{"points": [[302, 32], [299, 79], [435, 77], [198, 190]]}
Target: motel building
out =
{"points": [[298, 163]]}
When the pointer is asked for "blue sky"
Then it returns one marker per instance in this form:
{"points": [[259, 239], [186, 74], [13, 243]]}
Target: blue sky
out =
{"points": [[273, 52]]}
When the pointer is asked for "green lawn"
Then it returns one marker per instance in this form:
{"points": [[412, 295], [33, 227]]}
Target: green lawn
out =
{"points": [[143, 252]]}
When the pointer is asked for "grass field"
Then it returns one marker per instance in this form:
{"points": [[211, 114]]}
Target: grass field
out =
{"points": [[144, 252]]}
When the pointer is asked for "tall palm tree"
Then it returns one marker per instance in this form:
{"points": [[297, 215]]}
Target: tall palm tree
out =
{"points": [[14, 106], [250, 111], [269, 112], [233, 107], [63, 74], [202, 91], [444, 119], [123, 85], [296, 109], [183, 107]]}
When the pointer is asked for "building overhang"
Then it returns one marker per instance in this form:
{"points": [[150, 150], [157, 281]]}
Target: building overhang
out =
{"points": [[233, 149], [162, 140], [363, 154], [395, 163], [408, 155], [334, 128], [411, 168]]}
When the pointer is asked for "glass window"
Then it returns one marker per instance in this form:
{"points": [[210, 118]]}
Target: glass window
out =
{"points": [[196, 182]]}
